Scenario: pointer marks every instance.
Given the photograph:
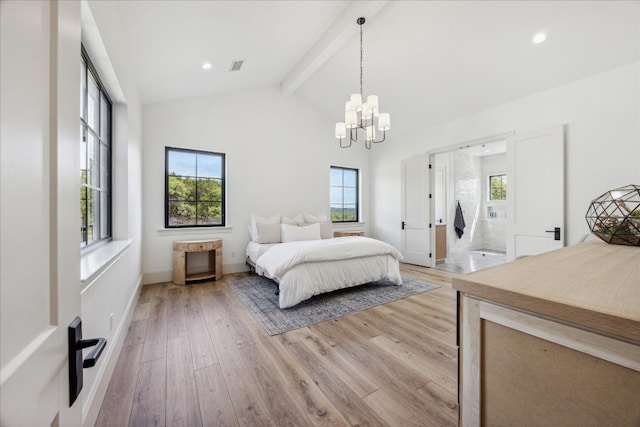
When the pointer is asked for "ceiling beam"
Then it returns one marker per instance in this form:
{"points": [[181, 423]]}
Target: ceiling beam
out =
{"points": [[341, 30]]}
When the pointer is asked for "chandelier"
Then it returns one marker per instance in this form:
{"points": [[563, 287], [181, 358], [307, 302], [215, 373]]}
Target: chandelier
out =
{"points": [[363, 116]]}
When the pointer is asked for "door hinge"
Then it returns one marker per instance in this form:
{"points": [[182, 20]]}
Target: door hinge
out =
{"points": [[429, 254], [429, 195], [429, 165], [429, 225]]}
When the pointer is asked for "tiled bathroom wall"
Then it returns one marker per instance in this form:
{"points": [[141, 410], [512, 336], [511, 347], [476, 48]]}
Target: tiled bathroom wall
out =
{"points": [[485, 220]]}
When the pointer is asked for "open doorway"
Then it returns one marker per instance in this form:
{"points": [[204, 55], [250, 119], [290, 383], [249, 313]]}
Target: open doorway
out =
{"points": [[470, 206]]}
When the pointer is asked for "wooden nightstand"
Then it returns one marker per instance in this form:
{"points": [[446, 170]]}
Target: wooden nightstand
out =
{"points": [[347, 233], [180, 250]]}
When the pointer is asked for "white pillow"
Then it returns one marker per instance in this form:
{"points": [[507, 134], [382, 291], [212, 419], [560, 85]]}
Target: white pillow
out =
{"points": [[292, 233], [258, 219], [269, 233], [298, 219], [326, 229], [310, 218]]}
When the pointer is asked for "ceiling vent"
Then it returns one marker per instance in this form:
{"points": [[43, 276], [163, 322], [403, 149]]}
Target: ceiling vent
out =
{"points": [[236, 65]]}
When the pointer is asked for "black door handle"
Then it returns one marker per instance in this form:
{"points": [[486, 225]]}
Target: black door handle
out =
{"points": [[76, 364], [556, 233], [94, 355]]}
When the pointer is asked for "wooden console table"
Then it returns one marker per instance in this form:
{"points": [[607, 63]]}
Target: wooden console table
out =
{"points": [[180, 250], [348, 233]]}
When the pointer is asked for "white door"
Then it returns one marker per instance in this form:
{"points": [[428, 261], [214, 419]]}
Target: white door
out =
{"points": [[40, 219], [415, 211], [535, 192]]}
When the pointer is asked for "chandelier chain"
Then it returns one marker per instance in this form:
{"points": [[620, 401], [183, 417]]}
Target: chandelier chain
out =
{"points": [[361, 92]]}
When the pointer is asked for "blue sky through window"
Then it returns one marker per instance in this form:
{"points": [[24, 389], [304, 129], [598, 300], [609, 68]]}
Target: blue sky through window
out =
{"points": [[184, 163]]}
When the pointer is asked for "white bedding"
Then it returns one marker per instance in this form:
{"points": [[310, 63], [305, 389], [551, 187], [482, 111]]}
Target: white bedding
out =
{"points": [[307, 268], [256, 250]]}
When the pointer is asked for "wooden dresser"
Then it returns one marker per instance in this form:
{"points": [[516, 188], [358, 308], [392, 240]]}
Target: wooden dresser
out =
{"points": [[552, 339]]}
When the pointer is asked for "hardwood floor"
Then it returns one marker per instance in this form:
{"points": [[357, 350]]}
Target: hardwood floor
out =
{"points": [[194, 356]]}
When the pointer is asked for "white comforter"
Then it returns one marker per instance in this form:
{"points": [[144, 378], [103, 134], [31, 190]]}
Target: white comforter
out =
{"points": [[308, 268]]}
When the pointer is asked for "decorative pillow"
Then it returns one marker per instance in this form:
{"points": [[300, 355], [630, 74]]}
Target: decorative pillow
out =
{"points": [[269, 233], [311, 219], [326, 229], [296, 220], [292, 233], [255, 219]]}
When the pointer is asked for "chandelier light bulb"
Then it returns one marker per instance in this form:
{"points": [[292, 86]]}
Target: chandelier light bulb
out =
{"points": [[356, 101], [384, 122], [341, 130], [366, 111], [372, 100], [351, 119], [370, 133]]}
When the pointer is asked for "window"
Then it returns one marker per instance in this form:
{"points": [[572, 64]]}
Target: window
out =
{"points": [[344, 194], [194, 188], [498, 187], [95, 156]]}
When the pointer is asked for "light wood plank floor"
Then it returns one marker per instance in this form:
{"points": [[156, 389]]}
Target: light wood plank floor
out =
{"points": [[194, 356]]}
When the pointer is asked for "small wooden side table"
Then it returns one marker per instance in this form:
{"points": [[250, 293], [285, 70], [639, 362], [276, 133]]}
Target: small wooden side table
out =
{"points": [[183, 247], [347, 233]]}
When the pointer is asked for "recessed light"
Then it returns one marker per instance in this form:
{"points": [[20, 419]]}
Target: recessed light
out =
{"points": [[206, 65], [539, 38]]}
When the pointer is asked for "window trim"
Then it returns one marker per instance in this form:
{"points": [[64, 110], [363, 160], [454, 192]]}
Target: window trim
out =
{"points": [[86, 128], [223, 196], [357, 171]]}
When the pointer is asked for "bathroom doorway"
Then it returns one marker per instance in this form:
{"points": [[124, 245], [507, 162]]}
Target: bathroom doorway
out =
{"points": [[470, 206]]}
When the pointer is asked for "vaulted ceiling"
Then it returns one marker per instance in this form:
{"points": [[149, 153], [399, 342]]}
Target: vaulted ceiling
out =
{"points": [[428, 61]]}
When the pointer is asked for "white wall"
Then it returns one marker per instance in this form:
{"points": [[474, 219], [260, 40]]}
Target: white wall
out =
{"points": [[114, 290], [278, 153], [602, 117]]}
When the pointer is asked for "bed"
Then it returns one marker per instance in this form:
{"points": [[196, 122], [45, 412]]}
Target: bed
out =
{"points": [[304, 268]]}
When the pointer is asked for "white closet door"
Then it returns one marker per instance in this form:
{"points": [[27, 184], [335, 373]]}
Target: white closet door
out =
{"points": [[535, 192], [415, 211]]}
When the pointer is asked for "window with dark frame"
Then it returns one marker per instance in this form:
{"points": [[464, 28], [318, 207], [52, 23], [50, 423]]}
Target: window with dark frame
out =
{"points": [[194, 188], [344, 194], [95, 156], [498, 187]]}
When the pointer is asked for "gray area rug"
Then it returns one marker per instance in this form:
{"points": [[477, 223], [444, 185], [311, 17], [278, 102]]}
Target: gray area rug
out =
{"points": [[257, 294]]}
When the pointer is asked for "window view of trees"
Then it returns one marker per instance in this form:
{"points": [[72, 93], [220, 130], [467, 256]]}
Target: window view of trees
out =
{"points": [[498, 187], [194, 188], [95, 157], [344, 194]]}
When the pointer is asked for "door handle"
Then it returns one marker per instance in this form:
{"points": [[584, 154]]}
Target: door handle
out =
{"points": [[94, 355], [556, 233], [76, 363]]}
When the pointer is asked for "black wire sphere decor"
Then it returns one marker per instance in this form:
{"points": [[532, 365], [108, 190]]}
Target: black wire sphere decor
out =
{"points": [[615, 216]]}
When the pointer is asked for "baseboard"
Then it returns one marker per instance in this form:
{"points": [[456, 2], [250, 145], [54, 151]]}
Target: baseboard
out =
{"points": [[157, 277], [96, 395], [235, 268]]}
